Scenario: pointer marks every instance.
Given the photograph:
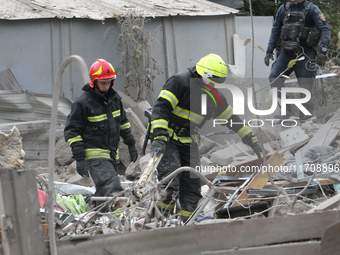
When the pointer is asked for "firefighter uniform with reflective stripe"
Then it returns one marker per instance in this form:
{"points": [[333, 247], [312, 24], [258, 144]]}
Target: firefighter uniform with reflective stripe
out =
{"points": [[93, 131], [176, 116]]}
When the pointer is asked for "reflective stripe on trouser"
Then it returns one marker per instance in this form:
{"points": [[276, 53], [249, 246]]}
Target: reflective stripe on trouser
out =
{"points": [[188, 185], [105, 177]]}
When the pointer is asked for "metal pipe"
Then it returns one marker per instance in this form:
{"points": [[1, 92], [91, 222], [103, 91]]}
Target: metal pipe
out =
{"points": [[51, 147], [182, 169], [211, 192]]}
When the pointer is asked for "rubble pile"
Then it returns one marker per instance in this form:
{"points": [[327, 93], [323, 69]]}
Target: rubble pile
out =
{"points": [[301, 176]]}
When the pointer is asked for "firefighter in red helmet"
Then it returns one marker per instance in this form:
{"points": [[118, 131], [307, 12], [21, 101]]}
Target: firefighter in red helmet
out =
{"points": [[93, 129]]}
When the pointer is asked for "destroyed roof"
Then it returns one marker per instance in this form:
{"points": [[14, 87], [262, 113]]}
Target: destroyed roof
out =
{"points": [[103, 9]]}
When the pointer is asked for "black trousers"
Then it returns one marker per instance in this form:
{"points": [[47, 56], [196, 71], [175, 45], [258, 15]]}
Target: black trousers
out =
{"points": [[105, 177], [189, 185]]}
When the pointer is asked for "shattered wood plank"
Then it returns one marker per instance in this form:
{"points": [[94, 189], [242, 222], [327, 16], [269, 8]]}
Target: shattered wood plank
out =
{"points": [[331, 203], [260, 179], [248, 162], [19, 208], [213, 237], [265, 231], [289, 184], [325, 135]]}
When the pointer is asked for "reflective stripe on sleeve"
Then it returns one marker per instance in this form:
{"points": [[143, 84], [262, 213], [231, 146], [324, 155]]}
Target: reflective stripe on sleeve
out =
{"points": [[166, 94], [125, 126], [74, 139], [254, 139], [116, 113], [244, 131], [226, 114], [161, 137], [159, 123]]}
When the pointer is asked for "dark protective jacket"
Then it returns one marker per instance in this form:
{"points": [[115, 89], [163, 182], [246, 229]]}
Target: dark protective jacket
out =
{"points": [[179, 106], [94, 125], [314, 18]]}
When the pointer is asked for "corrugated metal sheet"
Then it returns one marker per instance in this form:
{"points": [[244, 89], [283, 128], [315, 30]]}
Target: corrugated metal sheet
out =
{"points": [[103, 9], [18, 106], [8, 81]]}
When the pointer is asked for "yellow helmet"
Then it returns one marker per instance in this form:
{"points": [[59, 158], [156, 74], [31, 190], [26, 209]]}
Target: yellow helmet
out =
{"points": [[213, 68]]}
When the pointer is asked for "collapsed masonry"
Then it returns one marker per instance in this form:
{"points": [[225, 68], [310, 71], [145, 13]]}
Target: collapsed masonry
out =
{"points": [[306, 179]]}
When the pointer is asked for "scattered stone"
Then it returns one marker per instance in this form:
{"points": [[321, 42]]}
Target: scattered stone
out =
{"points": [[11, 153], [63, 152]]}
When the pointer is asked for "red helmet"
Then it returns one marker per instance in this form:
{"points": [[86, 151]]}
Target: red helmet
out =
{"points": [[101, 70]]}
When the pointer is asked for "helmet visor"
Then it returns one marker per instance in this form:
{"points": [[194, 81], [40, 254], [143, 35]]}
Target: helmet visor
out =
{"points": [[217, 80]]}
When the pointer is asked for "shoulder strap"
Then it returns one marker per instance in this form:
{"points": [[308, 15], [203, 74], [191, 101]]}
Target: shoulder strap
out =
{"points": [[305, 11], [287, 6]]}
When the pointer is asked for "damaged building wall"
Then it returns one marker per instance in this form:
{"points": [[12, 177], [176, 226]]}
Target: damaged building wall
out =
{"points": [[92, 39]]}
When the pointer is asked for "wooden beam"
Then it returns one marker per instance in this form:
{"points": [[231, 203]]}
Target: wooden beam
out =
{"points": [[260, 179], [19, 210], [213, 237], [310, 248], [330, 242], [331, 203]]}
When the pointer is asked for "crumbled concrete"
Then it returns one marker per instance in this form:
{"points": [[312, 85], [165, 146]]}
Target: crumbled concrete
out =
{"points": [[63, 152], [132, 170], [205, 161], [226, 156], [206, 145], [310, 128], [292, 136], [299, 207], [11, 153]]}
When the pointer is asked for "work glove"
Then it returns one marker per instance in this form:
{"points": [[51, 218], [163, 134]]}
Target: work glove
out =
{"points": [[157, 147], [252, 141], [257, 149], [133, 153], [269, 55], [321, 57], [83, 168]]}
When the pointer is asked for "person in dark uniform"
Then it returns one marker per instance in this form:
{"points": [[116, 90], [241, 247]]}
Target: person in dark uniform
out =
{"points": [[300, 25], [93, 129], [176, 117]]}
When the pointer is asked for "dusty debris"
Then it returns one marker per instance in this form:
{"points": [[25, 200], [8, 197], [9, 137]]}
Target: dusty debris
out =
{"points": [[226, 194], [11, 152]]}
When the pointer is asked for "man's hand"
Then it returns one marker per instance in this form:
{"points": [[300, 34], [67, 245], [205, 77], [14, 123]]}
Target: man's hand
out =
{"points": [[157, 147], [83, 168], [257, 149], [252, 141], [269, 55], [321, 57], [133, 153]]}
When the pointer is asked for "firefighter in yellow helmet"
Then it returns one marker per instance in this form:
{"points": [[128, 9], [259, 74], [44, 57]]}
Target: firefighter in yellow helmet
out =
{"points": [[176, 117], [93, 129]]}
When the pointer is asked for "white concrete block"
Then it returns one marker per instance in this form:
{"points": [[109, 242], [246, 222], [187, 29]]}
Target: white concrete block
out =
{"points": [[226, 156], [293, 135]]}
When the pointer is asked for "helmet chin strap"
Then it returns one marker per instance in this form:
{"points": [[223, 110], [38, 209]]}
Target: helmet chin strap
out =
{"points": [[206, 76], [100, 91]]}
